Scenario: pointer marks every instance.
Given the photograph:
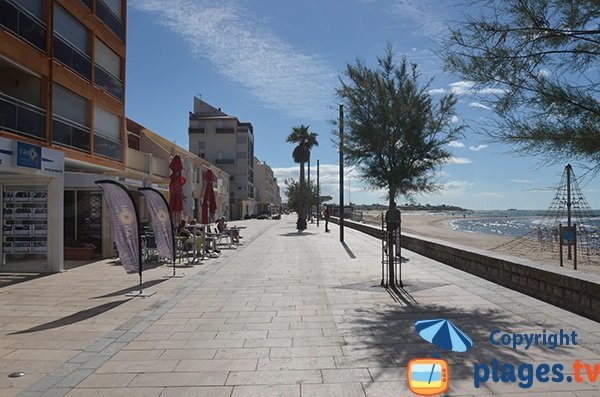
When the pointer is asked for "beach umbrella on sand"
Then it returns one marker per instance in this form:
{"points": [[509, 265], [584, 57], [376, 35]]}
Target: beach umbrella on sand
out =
{"points": [[176, 182], [444, 335], [209, 202]]}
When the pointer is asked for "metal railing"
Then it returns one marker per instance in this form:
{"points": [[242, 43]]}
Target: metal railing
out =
{"points": [[109, 18], [72, 57], [23, 24], [70, 133], [107, 147], [109, 82], [22, 117]]}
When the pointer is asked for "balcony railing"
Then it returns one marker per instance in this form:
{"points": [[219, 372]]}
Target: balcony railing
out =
{"points": [[160, 167], [113, 22], [21, 117], [69, 133], [72, 57], [146, 163], [108, 82], [108, 147], [23, 24]]}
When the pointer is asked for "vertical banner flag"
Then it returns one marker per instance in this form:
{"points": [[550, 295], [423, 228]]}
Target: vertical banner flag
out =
{"points": [[161, 222], [125, 225]]}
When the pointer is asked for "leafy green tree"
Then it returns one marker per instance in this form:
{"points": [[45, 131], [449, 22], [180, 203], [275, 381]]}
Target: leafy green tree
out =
{"points": [[305, 141], [541, 58], [298, 197], [395, 135]]}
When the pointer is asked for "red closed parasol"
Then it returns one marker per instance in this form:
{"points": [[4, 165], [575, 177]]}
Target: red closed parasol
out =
{"points": [[176, 182], [209, 203]]}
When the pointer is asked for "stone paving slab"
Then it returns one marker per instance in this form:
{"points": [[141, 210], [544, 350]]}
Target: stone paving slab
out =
{"points": [[286, 314]]}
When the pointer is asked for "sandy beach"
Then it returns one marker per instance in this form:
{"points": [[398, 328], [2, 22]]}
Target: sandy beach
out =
{"points": [[438, 226]]}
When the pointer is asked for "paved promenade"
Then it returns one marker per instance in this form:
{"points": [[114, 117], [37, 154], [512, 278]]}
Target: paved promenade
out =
{"points": [[285, 314]]}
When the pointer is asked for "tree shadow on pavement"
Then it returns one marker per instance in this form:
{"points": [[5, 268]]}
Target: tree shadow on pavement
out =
{"points": [[74, 318], [296, 234], [387, 332]]}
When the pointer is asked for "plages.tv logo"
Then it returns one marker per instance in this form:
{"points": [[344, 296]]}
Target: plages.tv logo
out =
{"points": [[430, 376]]}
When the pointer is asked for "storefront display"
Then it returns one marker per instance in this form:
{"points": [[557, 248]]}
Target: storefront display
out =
{"points": [[24, 221]]}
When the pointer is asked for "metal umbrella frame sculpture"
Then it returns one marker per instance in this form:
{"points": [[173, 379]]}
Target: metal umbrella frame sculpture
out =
{"points": [[444, 335]]}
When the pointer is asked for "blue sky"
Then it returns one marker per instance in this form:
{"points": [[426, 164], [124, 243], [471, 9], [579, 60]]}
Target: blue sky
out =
{"points": [[276, 64]]}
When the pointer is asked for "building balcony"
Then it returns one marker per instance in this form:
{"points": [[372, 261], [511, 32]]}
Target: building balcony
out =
{"points": [[146, 163], [23, 24], [113, 22], [108, 82], [21, 117]]}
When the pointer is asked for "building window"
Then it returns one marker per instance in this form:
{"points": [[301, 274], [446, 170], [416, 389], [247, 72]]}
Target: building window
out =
{"points": [[107, 70], [201, 145], [71, 43], [225, 161], [25, 19], [110, 12], [241, 155], [225, 130], [202, 155], [107, 134], [20, 102], [70, 124], [196, 130], [241, 140]]}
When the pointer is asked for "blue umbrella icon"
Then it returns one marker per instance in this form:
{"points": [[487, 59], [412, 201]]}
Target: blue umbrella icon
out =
{"points": [[444, 335]]}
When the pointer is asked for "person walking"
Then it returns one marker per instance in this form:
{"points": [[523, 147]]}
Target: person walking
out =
{"points": [[326, 215]]}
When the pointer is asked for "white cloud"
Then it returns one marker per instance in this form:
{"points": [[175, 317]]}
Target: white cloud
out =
{"points": [[450, 189], [437, 91], [491, 195], [456, 144], [461, 87], [466, 88], [459, 160], [477, 148], [521, 181], [544, 72], [478, 105], [421, 12], [239, 47], [454, 119]]}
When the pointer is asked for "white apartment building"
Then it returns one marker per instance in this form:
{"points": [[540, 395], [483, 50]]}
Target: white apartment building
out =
{"points": [[267, 190], [229, 144]]}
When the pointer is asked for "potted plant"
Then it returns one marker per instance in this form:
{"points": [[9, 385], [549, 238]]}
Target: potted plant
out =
{"points": [[78, 251]]}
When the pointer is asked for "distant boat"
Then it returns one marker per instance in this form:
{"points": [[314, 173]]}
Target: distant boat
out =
{"points": [[511, 209]]}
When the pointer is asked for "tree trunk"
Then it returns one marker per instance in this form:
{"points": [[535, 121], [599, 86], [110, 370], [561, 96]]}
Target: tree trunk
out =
{"points": [[309, 212], [301, 223], [391, 259]]}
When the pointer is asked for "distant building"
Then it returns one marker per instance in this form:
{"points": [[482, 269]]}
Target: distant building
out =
{"points": [[266, 188], [229, 144]]}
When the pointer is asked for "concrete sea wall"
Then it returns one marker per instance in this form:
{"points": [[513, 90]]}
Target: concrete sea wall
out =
{"points": [[571, 290]]}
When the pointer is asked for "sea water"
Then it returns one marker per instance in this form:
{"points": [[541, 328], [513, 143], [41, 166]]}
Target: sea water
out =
{"points": [[514, 223]]}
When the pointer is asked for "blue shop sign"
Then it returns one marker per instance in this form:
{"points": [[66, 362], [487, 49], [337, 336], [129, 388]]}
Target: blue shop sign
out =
{"points": [[29, 156]]}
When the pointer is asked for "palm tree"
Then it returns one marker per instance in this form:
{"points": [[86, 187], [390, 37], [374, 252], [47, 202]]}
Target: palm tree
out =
{"points": [[305, 141]]}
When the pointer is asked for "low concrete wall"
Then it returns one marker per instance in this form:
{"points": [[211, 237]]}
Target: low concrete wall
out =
{"points": [[569, 289]]}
